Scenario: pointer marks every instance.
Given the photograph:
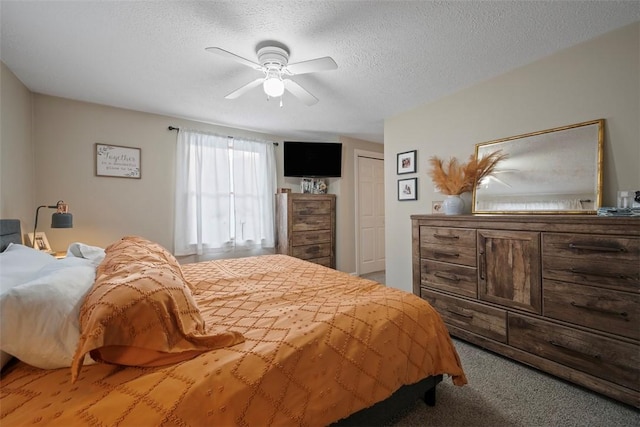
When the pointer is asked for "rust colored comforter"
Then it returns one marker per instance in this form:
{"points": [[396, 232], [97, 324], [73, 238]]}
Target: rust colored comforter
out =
{"points": [[319, 345]]}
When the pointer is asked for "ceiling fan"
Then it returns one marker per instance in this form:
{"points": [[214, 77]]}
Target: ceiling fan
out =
{"points": [[273, 62]]}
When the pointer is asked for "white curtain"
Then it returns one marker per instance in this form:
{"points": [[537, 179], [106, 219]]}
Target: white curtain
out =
{"points": [[224, 193]]}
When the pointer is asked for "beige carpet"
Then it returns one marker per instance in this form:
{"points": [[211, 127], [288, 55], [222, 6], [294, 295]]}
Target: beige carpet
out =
{"points": [[502, 392]]}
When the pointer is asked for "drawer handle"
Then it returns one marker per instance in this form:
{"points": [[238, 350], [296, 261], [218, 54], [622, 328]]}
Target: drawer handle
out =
{"points": [[595, 248], [457, 313], [446, 254], [445, 236], [555, 344], [623, 314], [596, 273], [447, 276]]}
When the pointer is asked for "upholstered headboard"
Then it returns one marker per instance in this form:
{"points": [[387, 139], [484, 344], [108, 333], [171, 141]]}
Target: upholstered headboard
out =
{"points": [[10, 232]]}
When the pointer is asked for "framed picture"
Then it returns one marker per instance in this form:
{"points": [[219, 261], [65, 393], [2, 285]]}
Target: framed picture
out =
{"points": [[436, 207], [42, 244], [408, 189], [118, 161], [407, 162]]}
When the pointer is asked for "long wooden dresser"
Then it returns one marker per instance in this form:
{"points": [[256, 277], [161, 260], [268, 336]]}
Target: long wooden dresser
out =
{"points": [[306, 227], [557, 292]]}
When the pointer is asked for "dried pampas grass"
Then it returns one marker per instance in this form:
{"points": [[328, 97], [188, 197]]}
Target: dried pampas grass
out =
{"points": [[451, 177]]}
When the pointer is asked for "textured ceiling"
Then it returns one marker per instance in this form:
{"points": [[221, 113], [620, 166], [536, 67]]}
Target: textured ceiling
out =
{"points": [[391, 55]]}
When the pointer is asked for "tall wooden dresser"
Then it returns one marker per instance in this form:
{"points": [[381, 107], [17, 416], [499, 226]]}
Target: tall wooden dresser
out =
{"points": [[557, 292], [306, 227]]}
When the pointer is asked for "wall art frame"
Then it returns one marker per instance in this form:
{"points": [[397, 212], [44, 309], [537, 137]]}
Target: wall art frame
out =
{"points": [[408, 189], [118, 161], [407, 162]]}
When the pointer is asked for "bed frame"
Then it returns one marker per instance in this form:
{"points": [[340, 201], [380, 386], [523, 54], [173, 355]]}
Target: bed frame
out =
{"points": [[382, 413], [379, 414]]}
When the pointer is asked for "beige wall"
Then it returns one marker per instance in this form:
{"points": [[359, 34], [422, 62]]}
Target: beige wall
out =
{"points": [[106, 208], [596, 79], [56, 159], [16, 150]]}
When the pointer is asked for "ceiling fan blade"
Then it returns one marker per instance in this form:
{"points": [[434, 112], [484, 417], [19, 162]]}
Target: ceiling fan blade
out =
{"points": [[299, 92], [235, 57], [320, 64], [244, 89]]}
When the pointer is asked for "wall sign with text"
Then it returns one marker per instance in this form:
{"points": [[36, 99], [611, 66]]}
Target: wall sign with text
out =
{"points": [[118, 161]]}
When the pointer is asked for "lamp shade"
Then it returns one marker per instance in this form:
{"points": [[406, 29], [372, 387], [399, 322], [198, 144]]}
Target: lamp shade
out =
{"points": [[273, 84], [61, 220]]}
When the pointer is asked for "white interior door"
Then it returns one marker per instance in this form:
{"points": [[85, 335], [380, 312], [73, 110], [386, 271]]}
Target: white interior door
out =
{"points": [[370, 216]]}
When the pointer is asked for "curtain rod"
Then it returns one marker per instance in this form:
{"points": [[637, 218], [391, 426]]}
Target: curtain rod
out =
{"points": [[178, 129]]}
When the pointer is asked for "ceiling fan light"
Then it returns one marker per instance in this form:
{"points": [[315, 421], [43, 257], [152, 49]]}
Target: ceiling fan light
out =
{"points": [[273, 86]]}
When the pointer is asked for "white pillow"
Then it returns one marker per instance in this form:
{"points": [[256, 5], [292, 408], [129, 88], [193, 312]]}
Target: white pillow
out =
{"points": [[80, 250], [40, 323], [19, 264]]}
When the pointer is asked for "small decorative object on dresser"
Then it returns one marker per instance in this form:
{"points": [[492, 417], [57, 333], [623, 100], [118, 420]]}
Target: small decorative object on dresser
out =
{"points": [[313, 186], [557, 292], [306, 227]]}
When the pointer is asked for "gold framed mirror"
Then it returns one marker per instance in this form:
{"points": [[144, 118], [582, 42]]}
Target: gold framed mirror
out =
{"points": [[554, 171]]}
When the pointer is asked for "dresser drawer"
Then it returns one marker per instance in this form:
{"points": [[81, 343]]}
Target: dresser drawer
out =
{"points": [[588, 247], [477, 318], [310, 237], [620, 275], [311, 207], [454, 278], [326, 261], [442, 236], [311, 222], [312, 251], [602, 357], [597, 308], [455, 245]]}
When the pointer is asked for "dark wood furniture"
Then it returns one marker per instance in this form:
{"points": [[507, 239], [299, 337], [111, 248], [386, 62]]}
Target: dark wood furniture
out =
{"points": [[306, 227], [558, 292]]}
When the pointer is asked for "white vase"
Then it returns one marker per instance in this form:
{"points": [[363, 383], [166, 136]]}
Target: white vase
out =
{"points": [[453, 205]]}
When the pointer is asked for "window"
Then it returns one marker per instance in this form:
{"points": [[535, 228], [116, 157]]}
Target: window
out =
{"points": [[224, 194]]}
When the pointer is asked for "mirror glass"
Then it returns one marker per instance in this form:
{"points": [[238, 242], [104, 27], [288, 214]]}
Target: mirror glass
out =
{"points": [[551, 171]]}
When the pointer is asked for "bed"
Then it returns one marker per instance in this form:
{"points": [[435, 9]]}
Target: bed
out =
{"points": [[273, 340]]}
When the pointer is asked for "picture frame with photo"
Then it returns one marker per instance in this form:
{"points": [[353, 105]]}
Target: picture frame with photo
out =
{"points": [[408, 189], [42, 244], [407, 162]]}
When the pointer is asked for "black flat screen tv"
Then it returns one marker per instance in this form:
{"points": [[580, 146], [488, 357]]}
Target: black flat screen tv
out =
{"points": [[313, 159]]}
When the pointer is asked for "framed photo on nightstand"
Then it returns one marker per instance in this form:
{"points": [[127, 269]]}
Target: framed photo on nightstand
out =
{"points": [[42, 244]]}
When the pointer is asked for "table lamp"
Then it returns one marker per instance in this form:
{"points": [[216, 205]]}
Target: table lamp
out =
{"points": [[60, 219]]}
